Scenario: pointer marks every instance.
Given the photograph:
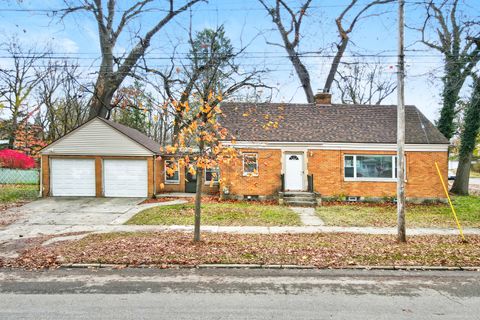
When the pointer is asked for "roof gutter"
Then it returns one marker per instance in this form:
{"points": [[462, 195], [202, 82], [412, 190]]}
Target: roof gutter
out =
{"points": [[336, 146]]}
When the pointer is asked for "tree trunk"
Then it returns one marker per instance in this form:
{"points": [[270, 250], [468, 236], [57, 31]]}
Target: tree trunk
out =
{"points": [[447, 114], [462, 179], [468, 141], [302, 74], [335, 63], [198, 205], [100, 104], [13, 131]]}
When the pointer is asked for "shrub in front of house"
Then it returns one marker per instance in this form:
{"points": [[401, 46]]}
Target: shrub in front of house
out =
{"points": [[12, 159]]}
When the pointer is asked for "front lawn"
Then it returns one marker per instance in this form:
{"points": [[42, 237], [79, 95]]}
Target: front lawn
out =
{"points": [[219, 214], [435, 215], [474, 174], [321, 250], [11, 193]]}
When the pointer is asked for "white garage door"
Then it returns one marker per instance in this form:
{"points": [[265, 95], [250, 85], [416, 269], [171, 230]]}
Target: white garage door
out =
{"points": [[125, 178], [72, 177]]}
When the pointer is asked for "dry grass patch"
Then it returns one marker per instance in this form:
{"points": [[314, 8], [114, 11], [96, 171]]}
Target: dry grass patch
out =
{"points": [[13, 195], [374, 215], [219, 214]]}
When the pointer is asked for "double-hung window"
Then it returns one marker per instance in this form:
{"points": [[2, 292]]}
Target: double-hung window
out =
{"points": [[172, 172], [212, 175], [370, 167], [250, 164]]}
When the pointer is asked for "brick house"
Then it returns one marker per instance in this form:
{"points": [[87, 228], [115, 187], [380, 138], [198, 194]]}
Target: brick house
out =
{"points": [[322, 149], [330, 149]]}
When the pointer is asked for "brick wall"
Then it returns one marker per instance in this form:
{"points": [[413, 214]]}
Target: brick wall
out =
{"points": [[422, 178], [176, 187], [266, 183], [327, 169]]}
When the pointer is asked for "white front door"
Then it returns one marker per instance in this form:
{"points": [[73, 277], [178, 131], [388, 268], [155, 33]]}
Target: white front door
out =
{"points": [[125, 178], [294, 171]]}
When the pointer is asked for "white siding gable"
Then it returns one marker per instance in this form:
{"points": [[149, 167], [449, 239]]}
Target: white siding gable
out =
{"points": [[96, 138]]}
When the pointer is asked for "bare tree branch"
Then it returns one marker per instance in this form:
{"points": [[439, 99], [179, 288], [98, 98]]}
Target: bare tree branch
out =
{"points": [[109, 80]]}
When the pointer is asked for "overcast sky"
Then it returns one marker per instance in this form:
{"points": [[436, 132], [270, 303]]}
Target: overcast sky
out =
{"points": [[246, 22]]}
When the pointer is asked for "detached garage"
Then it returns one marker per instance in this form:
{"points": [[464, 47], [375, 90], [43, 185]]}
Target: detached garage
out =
{"points": [[100, 158]]}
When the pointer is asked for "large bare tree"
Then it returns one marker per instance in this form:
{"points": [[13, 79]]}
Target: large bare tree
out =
{"points": [[289, 29], [62, 99], [361, 82], [288, 21], [468, 139], [18, 81], [114, 69], [455, 34], [452, 34]]}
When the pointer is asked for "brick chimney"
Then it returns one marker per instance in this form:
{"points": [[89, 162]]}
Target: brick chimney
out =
{"points": [[323, 98]]}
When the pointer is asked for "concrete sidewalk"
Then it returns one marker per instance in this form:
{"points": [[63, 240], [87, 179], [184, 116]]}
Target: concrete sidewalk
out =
{"points": [[46, 217], [30, 231]]}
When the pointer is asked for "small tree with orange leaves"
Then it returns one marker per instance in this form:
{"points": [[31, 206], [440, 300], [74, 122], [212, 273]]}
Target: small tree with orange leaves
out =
{"points": [[199, 147], [194, 98]]}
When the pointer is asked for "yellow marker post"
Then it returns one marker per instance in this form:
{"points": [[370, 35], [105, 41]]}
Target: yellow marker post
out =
{"points": [[450, 202]]}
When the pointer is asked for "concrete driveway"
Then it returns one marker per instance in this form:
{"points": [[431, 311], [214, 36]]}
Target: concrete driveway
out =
{"points": [[60, 216], [76, 211]]}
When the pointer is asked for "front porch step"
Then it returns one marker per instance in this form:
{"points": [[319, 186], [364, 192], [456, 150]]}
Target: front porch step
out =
{"points": [[299, 199], [297, 203], [298, 193]]}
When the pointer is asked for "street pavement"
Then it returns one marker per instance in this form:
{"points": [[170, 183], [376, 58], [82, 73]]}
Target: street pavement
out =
{"points": [[238, 294]]}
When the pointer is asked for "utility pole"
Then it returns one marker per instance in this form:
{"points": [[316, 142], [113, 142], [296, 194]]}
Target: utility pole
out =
{"points": [[401, 234]]}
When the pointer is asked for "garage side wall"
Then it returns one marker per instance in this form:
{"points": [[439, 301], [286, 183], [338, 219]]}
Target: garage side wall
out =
{"points": [[45, 176], [46, 181]]}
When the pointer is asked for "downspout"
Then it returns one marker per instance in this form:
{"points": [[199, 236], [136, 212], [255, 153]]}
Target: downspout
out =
{"points": [[154, 176], [40, 192]]}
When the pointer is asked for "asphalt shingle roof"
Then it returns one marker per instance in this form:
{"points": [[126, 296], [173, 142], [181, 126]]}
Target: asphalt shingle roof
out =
{"points": [[326, 123]]}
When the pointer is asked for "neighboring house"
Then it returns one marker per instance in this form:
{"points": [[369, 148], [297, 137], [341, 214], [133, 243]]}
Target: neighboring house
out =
{"points": [[332, 150]]}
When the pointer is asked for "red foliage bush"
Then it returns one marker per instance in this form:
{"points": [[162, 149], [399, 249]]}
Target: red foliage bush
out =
{"points": [[15, 160]]}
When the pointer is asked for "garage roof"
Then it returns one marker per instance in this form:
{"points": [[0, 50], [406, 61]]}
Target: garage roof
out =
{"points": [[99, 136]]}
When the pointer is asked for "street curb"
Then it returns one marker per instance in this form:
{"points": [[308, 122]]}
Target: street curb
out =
{"points": [[260, 266]]}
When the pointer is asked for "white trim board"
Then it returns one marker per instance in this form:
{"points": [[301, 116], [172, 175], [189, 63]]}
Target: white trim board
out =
{"points": [[299, 146]]}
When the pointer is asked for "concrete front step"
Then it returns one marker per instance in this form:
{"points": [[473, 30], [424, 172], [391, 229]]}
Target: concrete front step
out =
{"points": [[298, 193], [299, 198], [302, 198], [295, 203]]}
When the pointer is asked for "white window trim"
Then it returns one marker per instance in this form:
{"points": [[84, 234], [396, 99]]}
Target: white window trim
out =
{"points": [[165, 173], [365, 179], [249, 174], [208, 182]]}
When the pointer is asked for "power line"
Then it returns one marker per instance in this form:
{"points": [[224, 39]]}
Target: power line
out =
{"points": [[152, 10]]}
